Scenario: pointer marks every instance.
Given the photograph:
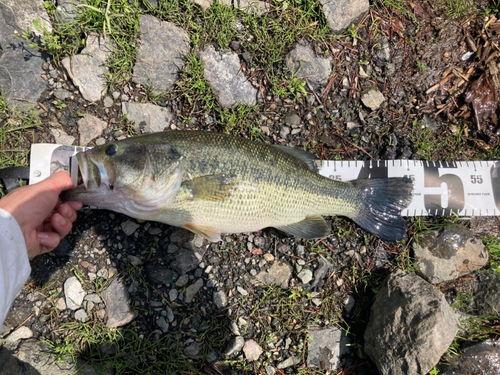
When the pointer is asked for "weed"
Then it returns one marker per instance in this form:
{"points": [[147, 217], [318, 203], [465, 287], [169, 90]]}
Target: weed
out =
{"points": [[59, 105], [420, 66], [457, 8]]}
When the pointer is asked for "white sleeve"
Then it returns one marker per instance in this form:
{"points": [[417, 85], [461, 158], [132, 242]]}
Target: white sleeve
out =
{"points": [[14, 263]]}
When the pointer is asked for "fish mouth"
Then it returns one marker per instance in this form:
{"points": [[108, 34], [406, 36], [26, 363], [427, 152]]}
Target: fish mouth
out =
{"points": [[89, 173]]}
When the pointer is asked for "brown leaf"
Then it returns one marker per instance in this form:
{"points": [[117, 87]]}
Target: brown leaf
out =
{"points": [[484, 98]]}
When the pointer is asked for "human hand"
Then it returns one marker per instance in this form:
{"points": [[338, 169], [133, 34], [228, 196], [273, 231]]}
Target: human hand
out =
{"points": [[44, 219]]}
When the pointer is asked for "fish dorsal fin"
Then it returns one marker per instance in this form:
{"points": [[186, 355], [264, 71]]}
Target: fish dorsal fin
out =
{"points": [[304, 156], [212, 188], [210, 233], [312, 227]]}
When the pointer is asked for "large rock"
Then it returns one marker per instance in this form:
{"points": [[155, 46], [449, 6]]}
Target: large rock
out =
{"points": [[411, 326], [147, 117], [479, 359], [88, 70], [161, 52], [341, 14], [229, 85], [303, 63], [448, 254], [487, 296], [21, 65]]}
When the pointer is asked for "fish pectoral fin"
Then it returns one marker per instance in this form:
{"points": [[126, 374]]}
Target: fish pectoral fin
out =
{"points": [[210, 233], [304, 156], [212, 188], [312, 227]]}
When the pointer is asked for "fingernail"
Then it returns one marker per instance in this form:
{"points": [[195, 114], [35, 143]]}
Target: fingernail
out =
{"points": [[62, 221], [43, 236], [68, 211]]}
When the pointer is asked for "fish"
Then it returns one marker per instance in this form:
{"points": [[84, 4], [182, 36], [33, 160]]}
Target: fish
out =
{"points": [[212, 183]]}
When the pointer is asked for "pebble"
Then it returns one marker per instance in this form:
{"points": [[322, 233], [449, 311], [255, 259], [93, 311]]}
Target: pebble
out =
{"points": [[170, 314], [81, 316], [269, 257], [129, 227], [292, 361], [100, 141], [305, 276], [220, 299], [108, 102], [193, 289], [21, 333], [134, 260], [61, 304], [234, 346], [172, 294], [74, 293], [252, 350], [285, 130], [162, 324], [242, 291], [182, 281]]}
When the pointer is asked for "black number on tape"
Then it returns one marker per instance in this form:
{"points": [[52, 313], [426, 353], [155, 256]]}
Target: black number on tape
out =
{"points": [[456, 196]]}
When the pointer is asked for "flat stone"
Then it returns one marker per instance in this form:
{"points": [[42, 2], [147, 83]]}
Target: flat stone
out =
{"points": [[108, 102], [21, 65], [326, 346], [279, 273], [292, 119], [129, 227], [229, 85], [147, 117], [90, 127], [487, 296], [252, 6], [74, 293], [252, 350], [61, 137], [184, 261], [87, 70], [289, 362], [449, 254], [93, 298], [67, 11], [303, 62], [161, 52], [193, 289], [161, 275], [407, 306], [134, 260], [21, 333], [373, 98], [340, 14], [116, 298], [62, 94]]}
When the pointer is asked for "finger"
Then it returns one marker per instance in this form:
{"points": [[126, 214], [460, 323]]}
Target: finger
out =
{"points": [[75, 205], [50, 240], [60, 225], [59, 181]]}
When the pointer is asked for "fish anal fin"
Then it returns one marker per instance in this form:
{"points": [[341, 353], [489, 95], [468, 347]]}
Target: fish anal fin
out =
{"points": [[312, 227], [213, 188], [304, 156], [210, 233]]}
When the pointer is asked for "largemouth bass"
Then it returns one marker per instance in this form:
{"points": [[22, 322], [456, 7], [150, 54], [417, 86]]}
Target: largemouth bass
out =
{"points": [[212, 183]]}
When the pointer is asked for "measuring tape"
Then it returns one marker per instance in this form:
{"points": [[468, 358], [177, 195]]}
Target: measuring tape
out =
{"points": [[462, 188]]}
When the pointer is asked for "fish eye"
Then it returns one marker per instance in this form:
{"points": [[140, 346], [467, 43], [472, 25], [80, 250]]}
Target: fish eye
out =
{"points": [[111, 150]]}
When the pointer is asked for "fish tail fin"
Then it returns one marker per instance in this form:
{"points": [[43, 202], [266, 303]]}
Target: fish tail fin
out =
{"points": [[383, 199]]}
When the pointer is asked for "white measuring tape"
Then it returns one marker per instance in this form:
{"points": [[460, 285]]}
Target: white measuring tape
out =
{"points": [[462, 188]]}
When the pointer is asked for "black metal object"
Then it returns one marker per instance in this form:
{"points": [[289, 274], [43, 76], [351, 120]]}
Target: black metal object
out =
{"points": [[13, 177]]}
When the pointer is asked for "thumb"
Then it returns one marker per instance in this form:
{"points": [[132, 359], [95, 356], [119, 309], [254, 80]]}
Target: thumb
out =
{"points": [[58, 182]]}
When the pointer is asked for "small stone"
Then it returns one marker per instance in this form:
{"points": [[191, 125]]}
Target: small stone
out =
{"points": [[292, 119], [194, 350], [74, 293], [182, 281], [108, 102], [220, 299], [93, 298], [172, 294], [81, 316], [134, 260], [305, 276], [285, 130], [21, 333], [193, 289], [235, 345], [292, 361], [116, 298], [242, 291], [100, 141], [129, 227], [269, 257], [61, 137], [252, 350], [373, 99], [163, 324], [115, 95], [61, 304]]}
